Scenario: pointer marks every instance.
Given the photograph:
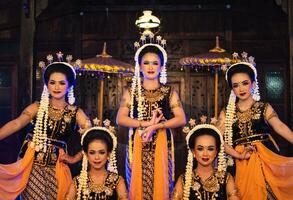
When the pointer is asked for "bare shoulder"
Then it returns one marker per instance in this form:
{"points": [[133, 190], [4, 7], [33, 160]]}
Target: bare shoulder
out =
{"points": [[33, 107], [174, 93], [126, 92], [80, 112], [31, 110]]}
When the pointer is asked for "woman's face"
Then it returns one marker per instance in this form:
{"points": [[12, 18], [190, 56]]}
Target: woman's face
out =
{"points": [[97, 154], [58, 85], [150, 66], [242, 85], [205, 150]]}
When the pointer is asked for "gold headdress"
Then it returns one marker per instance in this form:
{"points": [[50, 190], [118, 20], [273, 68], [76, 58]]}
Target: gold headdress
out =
{"points": [[159, 43], [189, 167], [112, 166]]}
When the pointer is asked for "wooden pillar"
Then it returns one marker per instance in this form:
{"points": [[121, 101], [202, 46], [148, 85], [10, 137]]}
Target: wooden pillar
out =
{"points": [[27, 31]]}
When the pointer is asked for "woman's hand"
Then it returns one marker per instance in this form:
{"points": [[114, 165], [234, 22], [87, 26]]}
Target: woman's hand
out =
{"points": [[147, 133], [70, 159], [247, 152], [157, 116], [244, 155]]}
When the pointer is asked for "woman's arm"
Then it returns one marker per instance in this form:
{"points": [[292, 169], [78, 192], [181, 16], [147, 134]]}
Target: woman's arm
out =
{"points": [[123, 119], [178, 190], [278, 126], [15, 125], [231, 189], [71, 193], [121, 189], [82, 120], [179, 118]]}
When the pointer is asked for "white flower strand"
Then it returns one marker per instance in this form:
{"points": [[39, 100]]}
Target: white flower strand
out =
{"points": [[188, 175], [140, 99], [163, 75], [112, 167], [228, 134], [132, 96], [71, 98], [40, 129], [83, 179], [255, 92]]}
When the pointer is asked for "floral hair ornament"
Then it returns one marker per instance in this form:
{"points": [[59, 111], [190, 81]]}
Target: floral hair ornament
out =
{"points": [[230, 109], [39, 141], [189, 167], [83, 189]]}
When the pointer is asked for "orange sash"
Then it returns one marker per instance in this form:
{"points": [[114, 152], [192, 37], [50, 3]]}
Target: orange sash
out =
{"points": [[14, 177], [161, 184], [63, 176], [264, 165]]}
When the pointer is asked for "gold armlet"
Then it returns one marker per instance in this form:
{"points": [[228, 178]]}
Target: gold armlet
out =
{"points": [[273, 114], [127, 105], [139, 124], [175, 105], [86, 124], [27, 113], [163, 125], [123, 196], [233, 193], [124, 103], [176, 195]]}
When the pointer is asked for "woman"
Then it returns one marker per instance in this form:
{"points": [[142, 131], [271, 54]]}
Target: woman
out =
{"points": [[43, 169], [205, 143], [246, 123], [151, 108], [98, 183]]}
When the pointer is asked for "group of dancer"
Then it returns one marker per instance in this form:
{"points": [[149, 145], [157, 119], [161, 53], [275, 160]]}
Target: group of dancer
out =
{"points": [[150, 108]]}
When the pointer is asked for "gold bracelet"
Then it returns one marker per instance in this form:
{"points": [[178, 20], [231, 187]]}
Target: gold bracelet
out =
{"points": [[27, 113], [233, 193], [139, 124], [163, 124], [273, 114]]}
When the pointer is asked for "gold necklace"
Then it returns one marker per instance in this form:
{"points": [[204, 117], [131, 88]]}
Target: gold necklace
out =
{"points": [[98, 187], [55, 113], [211, 184]]}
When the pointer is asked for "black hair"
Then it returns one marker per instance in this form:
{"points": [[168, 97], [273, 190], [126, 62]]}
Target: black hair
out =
{"points": [[97, 135], [61, 68], [240, 68], [204, 131], [151, 49]]}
